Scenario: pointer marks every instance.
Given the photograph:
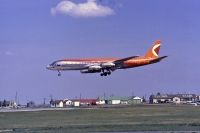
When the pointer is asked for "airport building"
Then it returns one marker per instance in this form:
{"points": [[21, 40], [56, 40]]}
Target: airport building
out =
{"points": [[10, 104], [60, 103], [172, 98], [111, 100], [84, 102], [120, 100]]}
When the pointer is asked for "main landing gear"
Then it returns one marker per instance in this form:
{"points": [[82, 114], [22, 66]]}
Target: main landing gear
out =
{"points": [[105, 73]]}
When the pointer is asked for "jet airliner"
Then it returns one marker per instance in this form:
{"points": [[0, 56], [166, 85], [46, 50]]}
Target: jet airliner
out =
{"points": [[105, 66]]}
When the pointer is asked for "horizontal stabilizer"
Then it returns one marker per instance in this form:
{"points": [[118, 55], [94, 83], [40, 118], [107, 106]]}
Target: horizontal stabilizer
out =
{"points": [[158, 59]]}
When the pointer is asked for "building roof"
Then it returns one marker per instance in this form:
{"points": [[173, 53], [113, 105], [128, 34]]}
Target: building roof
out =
{"points": [[119, 98], [55, 101], [137, 98]]}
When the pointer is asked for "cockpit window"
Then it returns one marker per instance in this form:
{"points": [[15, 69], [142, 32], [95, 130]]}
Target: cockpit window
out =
{"points": [[53, 64]]}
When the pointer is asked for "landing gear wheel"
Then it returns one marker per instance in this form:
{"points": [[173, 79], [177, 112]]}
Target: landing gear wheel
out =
{"points": [[105, 74]]}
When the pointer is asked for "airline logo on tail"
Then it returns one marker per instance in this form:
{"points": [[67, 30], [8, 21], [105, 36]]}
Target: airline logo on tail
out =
{"points": [[154, 50]]}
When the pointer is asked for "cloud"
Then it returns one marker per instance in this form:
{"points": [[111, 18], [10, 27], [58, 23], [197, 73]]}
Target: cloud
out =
{"points": [[88, 9], [8, 53]]}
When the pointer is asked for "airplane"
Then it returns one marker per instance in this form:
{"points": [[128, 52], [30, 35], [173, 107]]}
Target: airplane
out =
{"points": [[105, 66]]}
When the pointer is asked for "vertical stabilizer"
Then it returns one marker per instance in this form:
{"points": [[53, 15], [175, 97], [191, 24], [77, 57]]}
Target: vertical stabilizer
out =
{"points": [[154, 50]]}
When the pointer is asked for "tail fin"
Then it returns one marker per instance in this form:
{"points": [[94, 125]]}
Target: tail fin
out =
{"points": [[154, 50]]}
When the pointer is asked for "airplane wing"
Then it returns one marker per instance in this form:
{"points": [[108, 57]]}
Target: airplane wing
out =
{"points": [[107, 65], [118, 63], [124, 59], [115, 64]]}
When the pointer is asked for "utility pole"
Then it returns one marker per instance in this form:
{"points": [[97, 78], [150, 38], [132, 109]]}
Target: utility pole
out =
{"points": [[132, 92], [80, 96], [51, 98], [16, 98], [44, 101]]}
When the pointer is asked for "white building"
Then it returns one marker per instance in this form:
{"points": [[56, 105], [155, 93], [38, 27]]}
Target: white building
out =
{"points": [[67, 102], [100, 102], [176, 100], [76, 103], [137, 100], [57, 103], [115, 101]]}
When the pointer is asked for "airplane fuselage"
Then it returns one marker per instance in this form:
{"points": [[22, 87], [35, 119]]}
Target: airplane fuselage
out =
{"points": [[77, 64], [106, 65], [81, 64]]}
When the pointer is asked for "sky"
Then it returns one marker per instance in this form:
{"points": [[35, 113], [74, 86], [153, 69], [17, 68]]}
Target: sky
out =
{"points": [[33, 34]]}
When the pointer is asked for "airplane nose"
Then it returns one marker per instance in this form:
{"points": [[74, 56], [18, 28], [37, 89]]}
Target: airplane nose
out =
{"points": [[48, 67]]}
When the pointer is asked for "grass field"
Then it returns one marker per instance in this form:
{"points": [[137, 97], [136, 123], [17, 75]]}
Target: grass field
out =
{"points": [[131, 118]]}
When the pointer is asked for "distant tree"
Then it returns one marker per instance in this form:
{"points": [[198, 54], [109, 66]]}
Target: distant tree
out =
{"points": [[158, 94], [144, 100], [0, 103], [51, 102], [4, 103], [31, 104], [151, 99]]}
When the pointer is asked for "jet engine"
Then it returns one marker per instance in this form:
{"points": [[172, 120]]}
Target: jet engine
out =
{"points": [[94, 68], [108, 65], [90, 71]]}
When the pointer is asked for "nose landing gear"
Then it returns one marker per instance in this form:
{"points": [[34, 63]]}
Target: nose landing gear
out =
{"points": [[59, 74]]}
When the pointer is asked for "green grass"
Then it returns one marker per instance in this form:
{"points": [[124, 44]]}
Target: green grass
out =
{"points": [[134, 118]]}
